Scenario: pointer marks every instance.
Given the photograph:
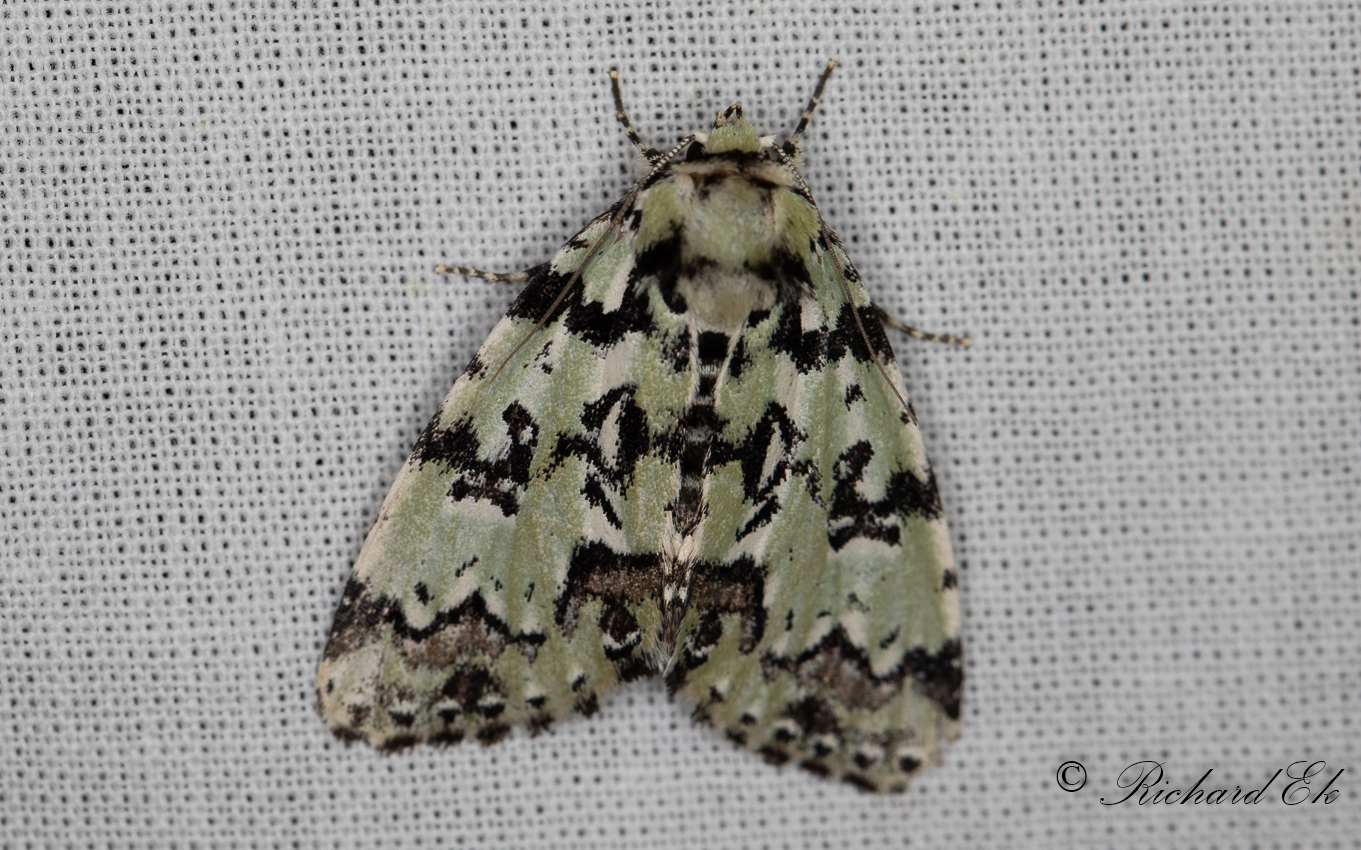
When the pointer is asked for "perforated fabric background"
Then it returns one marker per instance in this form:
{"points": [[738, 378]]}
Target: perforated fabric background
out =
{"points": [[221, 335]]}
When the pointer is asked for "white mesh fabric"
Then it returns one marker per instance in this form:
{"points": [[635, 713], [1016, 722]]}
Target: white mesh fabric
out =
{"points": [[221, 334]]}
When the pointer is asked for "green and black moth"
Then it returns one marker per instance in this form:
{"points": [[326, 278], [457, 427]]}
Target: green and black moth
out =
{"points": [[686, 450]]}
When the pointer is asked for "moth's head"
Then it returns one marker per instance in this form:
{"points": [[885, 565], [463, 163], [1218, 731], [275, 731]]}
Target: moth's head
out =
{"points": [[732, 133]]}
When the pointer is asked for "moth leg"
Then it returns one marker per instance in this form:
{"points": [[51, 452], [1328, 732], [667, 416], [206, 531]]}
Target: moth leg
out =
{"points": [[494, 277], [652, 154], [897, 324]]}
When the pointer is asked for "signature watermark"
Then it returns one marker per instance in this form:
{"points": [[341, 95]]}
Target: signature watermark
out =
{"points": [[1145, 783]]}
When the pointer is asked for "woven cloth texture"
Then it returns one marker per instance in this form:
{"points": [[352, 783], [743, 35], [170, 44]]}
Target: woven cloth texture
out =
{"points": [[221, 334]]}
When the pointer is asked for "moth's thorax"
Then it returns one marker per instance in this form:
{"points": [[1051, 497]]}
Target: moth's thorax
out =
{"points": [[733, 221], [732, 205]]}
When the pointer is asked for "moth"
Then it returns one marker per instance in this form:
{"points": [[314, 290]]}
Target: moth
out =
{"points": [[686, 450]]}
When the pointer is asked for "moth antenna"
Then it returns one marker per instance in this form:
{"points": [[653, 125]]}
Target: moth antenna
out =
{"points": [[792, 143], [653, 155]]}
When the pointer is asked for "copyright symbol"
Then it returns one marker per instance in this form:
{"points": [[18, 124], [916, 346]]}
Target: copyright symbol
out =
{"points": [[1071, 776]]}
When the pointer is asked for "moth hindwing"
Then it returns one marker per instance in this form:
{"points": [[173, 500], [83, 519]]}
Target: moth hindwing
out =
{"points": [[685, 450]]}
